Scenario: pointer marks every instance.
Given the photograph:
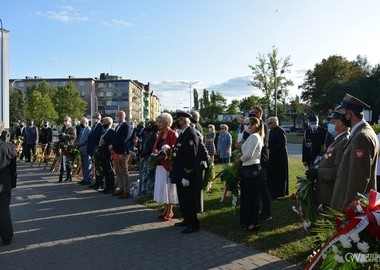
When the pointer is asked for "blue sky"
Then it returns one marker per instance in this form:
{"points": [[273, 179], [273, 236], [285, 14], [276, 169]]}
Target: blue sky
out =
{"points": [[164, 42]]}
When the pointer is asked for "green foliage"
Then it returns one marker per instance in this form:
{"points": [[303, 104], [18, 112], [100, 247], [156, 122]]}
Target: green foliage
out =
{"points": [[39, 107], [211, 104], [268, 76], [324, 79], [67, 101], [16, 105], [233, 107]]}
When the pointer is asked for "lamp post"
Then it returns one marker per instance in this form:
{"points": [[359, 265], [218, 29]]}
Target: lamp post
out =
{"points": [[2, 71], [190, 85]]}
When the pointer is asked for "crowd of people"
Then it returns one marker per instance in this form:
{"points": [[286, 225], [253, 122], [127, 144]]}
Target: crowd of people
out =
{"points": [[172, 154]]}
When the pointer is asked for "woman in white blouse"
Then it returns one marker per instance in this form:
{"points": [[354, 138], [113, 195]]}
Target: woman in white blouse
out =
{"points": [[250, 172]]}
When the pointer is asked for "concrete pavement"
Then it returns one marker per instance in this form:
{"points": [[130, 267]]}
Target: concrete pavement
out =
{"points": [[68, 226]]}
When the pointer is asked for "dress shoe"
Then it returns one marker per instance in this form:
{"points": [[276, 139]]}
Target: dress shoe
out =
{"points": [[169, 217], [81, 182], [117, 193], [94, 186], [105, 191], [124, 195], [190, 230], [86, 183], [180, 224], [254, 228]]}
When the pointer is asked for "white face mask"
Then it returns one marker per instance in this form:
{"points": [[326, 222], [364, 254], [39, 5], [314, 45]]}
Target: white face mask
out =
{"points": [[331, 128], [313, 127], [246, 127]]}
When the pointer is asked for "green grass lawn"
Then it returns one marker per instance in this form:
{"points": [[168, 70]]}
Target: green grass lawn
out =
{"points": [[293, 138], [283, 237]]}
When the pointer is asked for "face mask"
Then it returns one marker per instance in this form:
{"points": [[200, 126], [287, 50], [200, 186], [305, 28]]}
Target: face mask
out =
{"points": [[106, 126], [246, 127], [177, 125], [313, 127], [81, 125], [346, 122], [45, 125], [331, 129]]}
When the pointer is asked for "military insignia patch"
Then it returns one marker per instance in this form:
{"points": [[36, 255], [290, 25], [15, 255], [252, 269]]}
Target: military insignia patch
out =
{"points": [[359, 153]]}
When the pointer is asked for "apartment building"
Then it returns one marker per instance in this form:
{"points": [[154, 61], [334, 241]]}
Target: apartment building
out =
{"points": [[106, 94]]}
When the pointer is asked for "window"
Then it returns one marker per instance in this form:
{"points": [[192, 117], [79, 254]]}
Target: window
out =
{"points": [[55, 84], [109, 103], [64, 83], [109, 94], [82, 83], [110, 85], [101, 85], [101, 94], [83, 93]]}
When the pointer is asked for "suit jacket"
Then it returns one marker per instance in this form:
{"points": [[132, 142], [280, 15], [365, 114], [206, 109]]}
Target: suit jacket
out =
{"points": [[82, 140], [357, 172], [119, 143], [328, 169], [94, 138], [46, 135], [317, 140], [170, 140], [8, 173], [31, 135], [104, 151], [188, 152]]}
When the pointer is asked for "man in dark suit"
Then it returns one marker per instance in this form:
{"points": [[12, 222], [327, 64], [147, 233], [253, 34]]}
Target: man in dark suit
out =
{"points": [[46, 136], [313, 141], [92, 147], [188, 153], [119, 151], [8, 178]]}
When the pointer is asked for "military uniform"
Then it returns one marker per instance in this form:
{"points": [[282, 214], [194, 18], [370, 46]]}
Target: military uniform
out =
{"points": [[357, 172], [328, 169], [188, 153]]}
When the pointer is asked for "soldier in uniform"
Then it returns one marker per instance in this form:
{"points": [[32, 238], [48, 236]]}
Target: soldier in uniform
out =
{"points": [[325, 172], [357, 171], [8, 178], [188, 153], [313, 141]]}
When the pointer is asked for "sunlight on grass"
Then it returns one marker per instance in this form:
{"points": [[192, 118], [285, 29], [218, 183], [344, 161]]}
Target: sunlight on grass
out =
{"points": [[283, 237]]}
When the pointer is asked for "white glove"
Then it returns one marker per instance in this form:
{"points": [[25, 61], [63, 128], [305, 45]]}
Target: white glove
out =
{"points": [[185, 182]]}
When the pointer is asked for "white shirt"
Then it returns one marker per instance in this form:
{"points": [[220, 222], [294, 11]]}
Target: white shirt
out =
{"points": [[251, 150]]}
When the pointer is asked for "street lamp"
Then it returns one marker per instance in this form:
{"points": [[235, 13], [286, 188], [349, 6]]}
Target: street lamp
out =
{"points": [[13, 82], [190, 85]]}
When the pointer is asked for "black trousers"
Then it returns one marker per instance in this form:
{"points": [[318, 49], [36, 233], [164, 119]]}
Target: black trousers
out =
{"points": [[265, 196], [30, 147], [6, 228], [188, 198], [108, 175], [250, 195]]}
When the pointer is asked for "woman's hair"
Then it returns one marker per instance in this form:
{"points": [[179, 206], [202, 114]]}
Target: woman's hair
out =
{"points": [[212, 127], [224, 126], [167, 118], [256, 122]]}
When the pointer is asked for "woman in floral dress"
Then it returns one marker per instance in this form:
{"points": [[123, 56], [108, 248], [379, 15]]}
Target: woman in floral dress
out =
{"points": [[209, 142]]}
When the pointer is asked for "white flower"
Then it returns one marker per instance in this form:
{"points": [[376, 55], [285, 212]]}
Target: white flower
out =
{"points": [[338, 258], [295, 209], [335, 249], [306, 224], [363, 246], [165, 148], [355, 237], [345, 240]]}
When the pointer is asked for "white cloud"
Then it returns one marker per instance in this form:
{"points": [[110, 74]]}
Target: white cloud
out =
{"points": [[115, 23], [175, 95], [65, 14]]}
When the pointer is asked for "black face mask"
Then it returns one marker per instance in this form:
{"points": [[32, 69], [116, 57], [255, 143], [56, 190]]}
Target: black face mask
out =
{"points": [[106, 126], [177, 125], [345, 121], [45, 126], [81, 125]]}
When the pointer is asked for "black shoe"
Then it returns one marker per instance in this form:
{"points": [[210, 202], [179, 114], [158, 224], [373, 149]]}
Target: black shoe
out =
{"points": [[85, 183], [94, 186], [105, 191], [180, 224], [81, 182], [255, 228], [190, 230], [265, 218]]}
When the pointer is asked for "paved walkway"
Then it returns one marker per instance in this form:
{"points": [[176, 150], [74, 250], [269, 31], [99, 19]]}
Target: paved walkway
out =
{"points": [[68, 226]]}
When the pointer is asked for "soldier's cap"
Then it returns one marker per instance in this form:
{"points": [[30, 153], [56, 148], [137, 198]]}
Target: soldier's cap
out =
{"points": [[336, 115], [312, 118], [353, 103], [179, 114]]}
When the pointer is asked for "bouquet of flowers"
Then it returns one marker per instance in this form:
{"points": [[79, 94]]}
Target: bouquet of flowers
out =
{"points": [[209, 176], [351, 240], [306, 207], [72, 153], [231, 176], [18, 143], [164, 153]]}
